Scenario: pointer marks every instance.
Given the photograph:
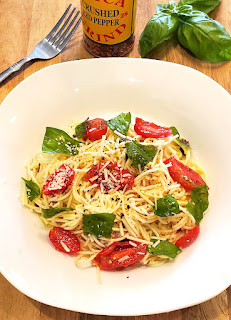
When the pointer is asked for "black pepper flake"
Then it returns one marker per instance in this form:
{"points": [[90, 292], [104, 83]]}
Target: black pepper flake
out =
{"points": [[91, 196], [128, 207], [182, 151], [127, 277], [117, 199], [185, 141], [122, 215], [80, 185], [138, 196], [112, 199], [74, 135]]}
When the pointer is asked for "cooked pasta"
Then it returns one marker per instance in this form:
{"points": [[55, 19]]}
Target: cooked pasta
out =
{"points": [[135, 219]]}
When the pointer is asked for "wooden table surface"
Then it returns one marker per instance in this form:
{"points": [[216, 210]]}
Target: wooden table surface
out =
{"points": [[22, 25]]}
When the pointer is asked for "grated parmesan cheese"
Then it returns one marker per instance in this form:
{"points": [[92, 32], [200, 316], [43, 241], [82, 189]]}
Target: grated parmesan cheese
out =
{"points": [[94, 178], [123, 258], [64, 246], [133, 244]]}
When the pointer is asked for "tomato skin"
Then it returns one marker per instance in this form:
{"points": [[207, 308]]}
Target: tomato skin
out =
{"points": [[95, 129], [188, 238], [58, 234], [117, 171], [184, 175], [151, 130], [109, 257], [63, 177]]}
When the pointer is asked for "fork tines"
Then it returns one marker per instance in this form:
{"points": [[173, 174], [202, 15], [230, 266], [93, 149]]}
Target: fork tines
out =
{"points": [[62, 32]]}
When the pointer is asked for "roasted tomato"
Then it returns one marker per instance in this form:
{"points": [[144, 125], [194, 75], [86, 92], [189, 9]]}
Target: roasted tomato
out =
{"points": [[151, 130], [110, 175], [120, 254], [64, 240], [59, 181], [184, 175], [95, 129], [188, 238]]}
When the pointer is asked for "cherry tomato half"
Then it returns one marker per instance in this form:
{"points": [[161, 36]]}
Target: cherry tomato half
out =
{"points": [[59, 181], [188, 238], [151, 130], [95, 129], [120, 255], [184, 175], [64, 240], [110, 175]]}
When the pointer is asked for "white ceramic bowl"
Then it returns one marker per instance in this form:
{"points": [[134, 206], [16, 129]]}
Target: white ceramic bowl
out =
{"points": [[167, 93]]}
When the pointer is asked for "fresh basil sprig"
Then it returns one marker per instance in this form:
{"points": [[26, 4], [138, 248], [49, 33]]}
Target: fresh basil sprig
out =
{"points": [[49, 213], [164, 248], [199, 196], [206, 38], [80, 129], [121, 123], [181, 142], [140, 154], [58, 141], [166, 206], [161, 27], [32, 189], [201, 5], [98, 224]]}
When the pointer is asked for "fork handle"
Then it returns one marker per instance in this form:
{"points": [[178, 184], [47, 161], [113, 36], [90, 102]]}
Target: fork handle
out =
{"points": [[15, 67]]}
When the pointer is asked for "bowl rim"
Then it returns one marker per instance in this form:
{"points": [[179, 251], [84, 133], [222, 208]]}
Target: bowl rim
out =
{"points": [[86, 61]]}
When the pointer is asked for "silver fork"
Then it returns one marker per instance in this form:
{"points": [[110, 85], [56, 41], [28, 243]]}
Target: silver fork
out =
{"points": [[52, 44]]}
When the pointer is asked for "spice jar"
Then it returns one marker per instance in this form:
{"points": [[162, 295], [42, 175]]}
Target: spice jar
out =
{"points": [[108, 26]]}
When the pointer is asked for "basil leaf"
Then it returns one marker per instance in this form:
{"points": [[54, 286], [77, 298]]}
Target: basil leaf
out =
{"points": [[199, 196], [165, 248], [205, 38], [167, 206], [166, 7], [49, 213], [201, 5], [80, 129], [161, 27], [32, 189], [98, 224], [121, 123], [58, 141], [160, 7], [185, 10], [140, 154], [182, 144]]}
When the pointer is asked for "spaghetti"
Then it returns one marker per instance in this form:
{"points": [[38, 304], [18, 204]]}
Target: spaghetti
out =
{"points": [[135, 220]]}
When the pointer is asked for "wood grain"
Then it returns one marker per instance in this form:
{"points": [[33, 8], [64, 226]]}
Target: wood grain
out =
{"points": [[22, 25]]}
